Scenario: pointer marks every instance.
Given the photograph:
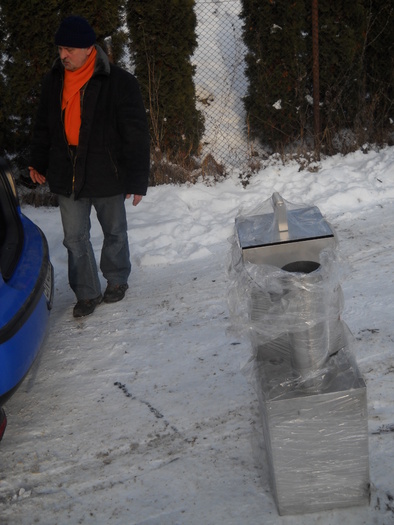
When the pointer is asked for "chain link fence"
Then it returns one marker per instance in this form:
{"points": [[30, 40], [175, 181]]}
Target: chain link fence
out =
{"points": [[220, 80]]}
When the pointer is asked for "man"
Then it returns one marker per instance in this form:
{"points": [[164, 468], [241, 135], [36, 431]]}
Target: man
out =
{"points": [[91, 143]]}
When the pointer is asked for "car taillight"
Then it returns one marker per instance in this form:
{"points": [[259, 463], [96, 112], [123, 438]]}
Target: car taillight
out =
{"points": [[3, 422]]}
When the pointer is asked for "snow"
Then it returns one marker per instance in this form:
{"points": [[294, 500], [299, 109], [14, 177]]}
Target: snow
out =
{"points": [[141, 413]]}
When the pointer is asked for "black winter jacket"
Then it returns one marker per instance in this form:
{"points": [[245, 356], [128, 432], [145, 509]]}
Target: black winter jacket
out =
{"points": [[113, 152]]}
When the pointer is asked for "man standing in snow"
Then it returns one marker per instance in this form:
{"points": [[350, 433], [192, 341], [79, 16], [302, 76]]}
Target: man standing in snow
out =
{"points": [[91, 143]]}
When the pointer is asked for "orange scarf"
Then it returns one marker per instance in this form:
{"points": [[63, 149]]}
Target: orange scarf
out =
{"points": [[71, 99]]}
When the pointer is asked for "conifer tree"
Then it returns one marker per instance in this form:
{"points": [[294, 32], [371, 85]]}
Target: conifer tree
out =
{"points": [[378, 114], [27, 52], [341, 39], [276, 67], [356, 67], [163, 39]]}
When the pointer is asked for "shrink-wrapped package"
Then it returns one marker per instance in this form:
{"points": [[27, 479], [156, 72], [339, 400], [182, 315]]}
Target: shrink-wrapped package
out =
{"points": [[285, 294]]}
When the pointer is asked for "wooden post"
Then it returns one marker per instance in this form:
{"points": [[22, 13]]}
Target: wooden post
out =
{"points": [[316, 86]]}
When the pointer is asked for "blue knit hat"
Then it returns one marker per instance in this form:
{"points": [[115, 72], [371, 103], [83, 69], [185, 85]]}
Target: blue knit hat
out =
{"points": [[75, 31]]}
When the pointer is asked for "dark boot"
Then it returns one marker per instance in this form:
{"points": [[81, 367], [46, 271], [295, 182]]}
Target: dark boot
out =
{"points": [[86, 306], [115, 292]]}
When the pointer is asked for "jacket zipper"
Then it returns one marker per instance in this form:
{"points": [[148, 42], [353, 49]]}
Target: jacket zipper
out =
{"points": [[72, 156], [74, 160], [113, 163]]}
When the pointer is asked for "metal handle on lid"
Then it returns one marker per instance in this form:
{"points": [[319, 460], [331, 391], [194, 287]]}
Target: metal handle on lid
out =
{"points": [[280, 212]]}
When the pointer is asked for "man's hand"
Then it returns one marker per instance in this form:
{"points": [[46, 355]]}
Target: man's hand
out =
{"points": [[36, 177], [137, 198]]}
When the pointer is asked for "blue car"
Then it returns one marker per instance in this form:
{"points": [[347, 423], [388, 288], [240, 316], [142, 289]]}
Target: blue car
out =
{"points": [[26, 290]]}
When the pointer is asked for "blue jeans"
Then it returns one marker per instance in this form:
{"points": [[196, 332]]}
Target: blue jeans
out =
{"points": [[115, 255]]}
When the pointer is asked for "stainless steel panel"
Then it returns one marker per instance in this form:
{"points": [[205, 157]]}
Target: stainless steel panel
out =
{"points": [[261, 230], [283, 236], [281, 254], [316, 434]]}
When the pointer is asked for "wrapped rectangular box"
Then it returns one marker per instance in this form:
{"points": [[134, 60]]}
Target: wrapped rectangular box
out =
{"points": [[315, 433]]}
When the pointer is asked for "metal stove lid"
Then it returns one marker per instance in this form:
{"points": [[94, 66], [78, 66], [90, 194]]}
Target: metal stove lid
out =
{"points": [[262, 230]]}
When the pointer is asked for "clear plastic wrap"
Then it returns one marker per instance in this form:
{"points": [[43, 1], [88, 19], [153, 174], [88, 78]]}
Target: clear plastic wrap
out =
{"points": [[317, 446], [268, 302], [311, 394], [264, 225]]}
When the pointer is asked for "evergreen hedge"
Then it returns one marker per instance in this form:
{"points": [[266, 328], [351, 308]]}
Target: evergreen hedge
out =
{"points": [[26, 28], [356, 48], [276, 67], [162, 41], [356, 54]]}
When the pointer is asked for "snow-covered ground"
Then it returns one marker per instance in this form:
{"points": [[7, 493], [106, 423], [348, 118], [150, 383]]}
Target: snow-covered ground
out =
{"points": [[141, 413]]}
